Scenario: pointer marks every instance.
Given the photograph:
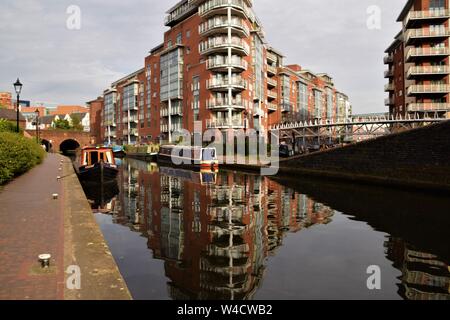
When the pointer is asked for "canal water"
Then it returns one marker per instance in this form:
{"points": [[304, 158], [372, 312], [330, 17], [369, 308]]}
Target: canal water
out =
{"points": [[178, 234]]}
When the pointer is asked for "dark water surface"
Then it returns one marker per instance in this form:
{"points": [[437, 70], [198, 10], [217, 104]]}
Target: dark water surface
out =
{"points": [[179, 234]]}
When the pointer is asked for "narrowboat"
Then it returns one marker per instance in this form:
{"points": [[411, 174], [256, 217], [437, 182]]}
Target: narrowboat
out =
{"points": [[119, 151], [97, 164], [191, 157]]}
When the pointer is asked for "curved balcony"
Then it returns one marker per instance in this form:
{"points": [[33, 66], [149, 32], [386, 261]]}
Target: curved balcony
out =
{"points": [[271, 70], [222, 105], [220, 7], [220, 26], [421, 16], [223, 85], [221, 45], [222, 65], [272, 83]]}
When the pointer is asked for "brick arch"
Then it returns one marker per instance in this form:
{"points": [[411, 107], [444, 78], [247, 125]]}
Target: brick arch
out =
{"points": [[57, 137]]}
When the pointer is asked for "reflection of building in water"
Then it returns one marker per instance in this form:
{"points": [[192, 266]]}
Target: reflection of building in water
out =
{"points": [[214, 231], [424, 277]]}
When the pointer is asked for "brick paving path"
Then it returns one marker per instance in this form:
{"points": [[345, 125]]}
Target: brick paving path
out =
{"points": [[32, 223]]}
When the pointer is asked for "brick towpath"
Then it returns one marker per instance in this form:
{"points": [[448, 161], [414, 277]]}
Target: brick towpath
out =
{"points": [[33, 223]]}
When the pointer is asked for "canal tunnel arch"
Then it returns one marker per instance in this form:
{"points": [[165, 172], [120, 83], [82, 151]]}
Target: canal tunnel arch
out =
{"points": [[68, 145], [48, 145]]}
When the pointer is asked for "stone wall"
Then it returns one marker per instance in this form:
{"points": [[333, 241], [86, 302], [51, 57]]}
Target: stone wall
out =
{"points": [[419, 157]]}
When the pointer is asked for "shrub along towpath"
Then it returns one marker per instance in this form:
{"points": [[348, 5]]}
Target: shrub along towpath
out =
{"points": [[32, 222]]}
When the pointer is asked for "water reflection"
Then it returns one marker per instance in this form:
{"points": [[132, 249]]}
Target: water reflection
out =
{"points": [[215, 231]]}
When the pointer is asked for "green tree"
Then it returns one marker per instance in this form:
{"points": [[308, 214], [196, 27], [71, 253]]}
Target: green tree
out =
{"points": [[76, 123], [62, 124], [7, 126]]}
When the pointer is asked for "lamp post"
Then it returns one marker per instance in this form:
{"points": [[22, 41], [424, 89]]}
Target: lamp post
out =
{"points": [[18, 88], [37, 125]]}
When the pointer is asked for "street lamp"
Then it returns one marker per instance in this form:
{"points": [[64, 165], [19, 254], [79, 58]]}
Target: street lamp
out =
{"points": [[37, 125], [18, 87]]}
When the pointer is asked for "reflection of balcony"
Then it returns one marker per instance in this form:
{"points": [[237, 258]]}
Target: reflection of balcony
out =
{"points": [[236, 252], [428, 89], [428, 106], [427, 70], [426, 52], [222, 104]]}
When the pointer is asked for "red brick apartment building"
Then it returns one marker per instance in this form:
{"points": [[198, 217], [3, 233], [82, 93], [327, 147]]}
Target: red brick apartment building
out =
{"points": [[6, 100], [418, 61], [215, 68]]}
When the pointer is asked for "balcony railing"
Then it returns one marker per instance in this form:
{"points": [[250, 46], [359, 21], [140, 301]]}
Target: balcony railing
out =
{"points": [[428, 106], [220, 43], [272, 107], [271, 57], [426, 15], [179, 13], [215, 104], [389, 101], [175, 111], [389, 87], [133, 132], [272, 70], [174, 127], [131, 119], [425, 52], [224, 123], [389, 59], [426, 33], [225, 63], [431, 88], [272, 94], [272, 82], [389, 73], [217, 24], [235, 83], [211, 5], [427, 70]]}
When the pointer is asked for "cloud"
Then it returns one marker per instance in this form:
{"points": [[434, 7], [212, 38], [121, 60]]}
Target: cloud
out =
{"points": [[71, 67]]}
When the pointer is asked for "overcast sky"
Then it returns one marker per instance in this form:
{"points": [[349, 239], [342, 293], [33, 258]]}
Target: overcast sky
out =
{"points": [[62, 66]]}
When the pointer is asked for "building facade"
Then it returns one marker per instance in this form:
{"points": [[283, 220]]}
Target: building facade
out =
{"points": [[214, 70], [6, 100], [418, 61]]}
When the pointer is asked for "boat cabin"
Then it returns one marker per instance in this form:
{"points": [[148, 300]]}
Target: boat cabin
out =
{"points": [[92, 156]]}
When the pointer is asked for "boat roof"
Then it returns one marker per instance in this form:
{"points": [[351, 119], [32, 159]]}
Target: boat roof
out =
{"points": [[97, 149]]}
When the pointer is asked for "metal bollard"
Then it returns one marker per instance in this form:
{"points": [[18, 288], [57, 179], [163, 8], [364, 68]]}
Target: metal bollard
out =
{"points": [[44, 259]]}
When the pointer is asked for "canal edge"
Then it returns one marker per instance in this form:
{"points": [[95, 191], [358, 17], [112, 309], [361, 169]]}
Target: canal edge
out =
{"points": [[85, 247]]}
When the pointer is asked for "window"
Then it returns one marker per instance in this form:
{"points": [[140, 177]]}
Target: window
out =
{"points": [[179, 38], [188, 34]]}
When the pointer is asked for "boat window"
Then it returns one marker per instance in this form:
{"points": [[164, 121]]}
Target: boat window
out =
{"points": [[94, 158], [102, 156], [109, 157]]}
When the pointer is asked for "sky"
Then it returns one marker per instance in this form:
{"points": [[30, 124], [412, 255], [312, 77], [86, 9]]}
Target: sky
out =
{"points": [[61, 65]]}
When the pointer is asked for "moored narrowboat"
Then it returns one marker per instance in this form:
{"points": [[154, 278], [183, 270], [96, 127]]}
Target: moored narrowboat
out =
{"points": [[191, 157], [97, 164]]}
